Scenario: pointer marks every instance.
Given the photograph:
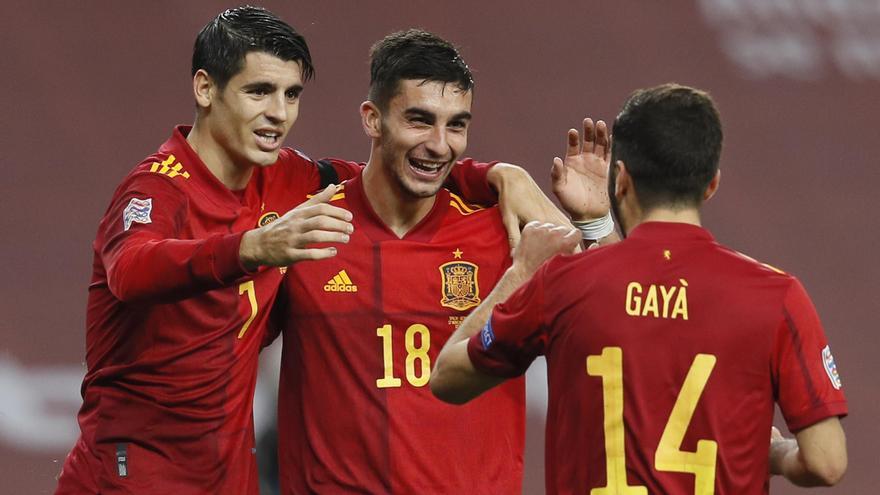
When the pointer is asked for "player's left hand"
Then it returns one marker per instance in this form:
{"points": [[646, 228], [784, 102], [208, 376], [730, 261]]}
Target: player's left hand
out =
{"points": [[540, 242], [580, 181], [521, 201]]}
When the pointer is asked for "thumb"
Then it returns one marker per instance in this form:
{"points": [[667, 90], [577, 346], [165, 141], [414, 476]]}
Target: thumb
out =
{"points": [[511, 224], [557, 174], [323, 196]]}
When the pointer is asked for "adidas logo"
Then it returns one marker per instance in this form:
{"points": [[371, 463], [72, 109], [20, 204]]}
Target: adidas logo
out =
{"points": [[340, 283]]}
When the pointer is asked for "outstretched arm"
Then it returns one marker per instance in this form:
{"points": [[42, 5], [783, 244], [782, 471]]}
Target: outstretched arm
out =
{"points": [[454, 378], [580, 181]]}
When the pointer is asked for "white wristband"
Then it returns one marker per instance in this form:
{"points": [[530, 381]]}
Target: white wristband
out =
{"points": [[594, 230]]}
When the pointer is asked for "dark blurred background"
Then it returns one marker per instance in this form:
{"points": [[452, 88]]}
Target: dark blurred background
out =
{"points": [[90, 88]]}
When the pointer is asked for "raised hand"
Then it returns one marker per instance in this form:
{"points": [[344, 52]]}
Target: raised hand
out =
{"points": [[580, 181], [286, 240]]}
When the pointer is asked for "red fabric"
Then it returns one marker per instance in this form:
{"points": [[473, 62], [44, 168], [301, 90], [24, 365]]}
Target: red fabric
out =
{"points": [[170, 374], [756, 321], [339, 431]]}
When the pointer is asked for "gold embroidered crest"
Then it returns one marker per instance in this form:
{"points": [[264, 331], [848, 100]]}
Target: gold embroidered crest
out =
{"points": [[460, 288]]}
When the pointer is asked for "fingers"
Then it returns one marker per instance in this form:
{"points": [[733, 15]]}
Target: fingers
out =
{"points": [[574, 143], [313, 254], [602, 143], [589, 135], [323, 196], [557, 174], [305, 211]]}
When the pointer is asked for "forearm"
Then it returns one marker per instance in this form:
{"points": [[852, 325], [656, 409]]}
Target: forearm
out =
{"points": [[817, 457], [786, 460], [171, 269]]}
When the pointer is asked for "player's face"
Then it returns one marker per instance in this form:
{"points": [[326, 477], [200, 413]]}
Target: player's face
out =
{"points": [[254, 112], [424, 131]]}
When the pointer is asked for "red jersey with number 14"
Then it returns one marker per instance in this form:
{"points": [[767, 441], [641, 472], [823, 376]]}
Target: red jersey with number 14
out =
{"points": [[362, 329], [665, 354]]}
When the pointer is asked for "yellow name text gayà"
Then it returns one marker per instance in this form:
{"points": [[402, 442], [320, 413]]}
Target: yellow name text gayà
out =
{"points": [[657, 301]]}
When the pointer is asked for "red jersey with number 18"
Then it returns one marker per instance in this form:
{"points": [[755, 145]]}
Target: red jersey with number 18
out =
{"points": [[361, 331], [665, 355]]}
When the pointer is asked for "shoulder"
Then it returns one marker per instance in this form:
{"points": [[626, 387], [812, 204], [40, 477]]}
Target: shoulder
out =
{"points": [[160, 172], [459, 208]]}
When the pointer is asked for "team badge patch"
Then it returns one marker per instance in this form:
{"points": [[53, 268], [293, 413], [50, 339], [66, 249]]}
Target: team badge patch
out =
{"points": [[137, 211], [460, 288], [831, 368], [267, 218], [487, 336]]}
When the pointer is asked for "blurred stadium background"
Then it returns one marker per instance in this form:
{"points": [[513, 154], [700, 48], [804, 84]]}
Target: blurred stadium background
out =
{"points": [[89, 88]]}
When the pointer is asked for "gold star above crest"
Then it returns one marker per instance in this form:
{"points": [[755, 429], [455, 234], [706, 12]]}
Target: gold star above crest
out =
{"points": [[667, 254], [457, 253]]}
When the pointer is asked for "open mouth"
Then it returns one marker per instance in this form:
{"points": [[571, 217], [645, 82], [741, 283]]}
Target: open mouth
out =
{"points": [[268, 140], [426, 167]]}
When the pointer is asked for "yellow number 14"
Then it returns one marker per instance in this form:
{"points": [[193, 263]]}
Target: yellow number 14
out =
{"points": [[669, 456]]}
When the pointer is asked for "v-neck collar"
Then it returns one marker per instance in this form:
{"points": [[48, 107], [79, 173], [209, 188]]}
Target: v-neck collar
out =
{"points": [[378, 231]]}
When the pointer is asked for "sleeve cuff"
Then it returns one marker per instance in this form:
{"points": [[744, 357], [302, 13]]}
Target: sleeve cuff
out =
{"points": [[815, 415], [221, 259]]}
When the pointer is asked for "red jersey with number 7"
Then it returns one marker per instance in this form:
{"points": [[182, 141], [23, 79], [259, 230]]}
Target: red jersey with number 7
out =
{"points": [[665, 354], [361, 331]]}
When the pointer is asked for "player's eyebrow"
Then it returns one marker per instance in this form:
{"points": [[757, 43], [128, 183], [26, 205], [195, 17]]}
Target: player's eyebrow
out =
{"points": [[431, 117], [266, 87], [462, 116]]}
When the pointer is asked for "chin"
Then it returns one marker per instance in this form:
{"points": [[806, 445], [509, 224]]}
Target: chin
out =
{"points": [[264, 159]]}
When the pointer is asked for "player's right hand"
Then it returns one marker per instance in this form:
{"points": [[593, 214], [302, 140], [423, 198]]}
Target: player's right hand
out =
{"points": [[580, 181], [540, 242], [286, 240]]}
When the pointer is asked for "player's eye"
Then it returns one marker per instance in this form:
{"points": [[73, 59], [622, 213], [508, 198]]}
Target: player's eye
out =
{"points": [[293, 94]]}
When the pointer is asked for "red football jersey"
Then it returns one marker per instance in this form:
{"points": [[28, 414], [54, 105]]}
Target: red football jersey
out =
{"points": [[361, 332], [175, 324], [665, 354]]}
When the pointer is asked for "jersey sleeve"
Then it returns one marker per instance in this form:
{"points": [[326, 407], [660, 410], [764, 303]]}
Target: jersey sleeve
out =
{"points": [[344, 169], [515, 334], [142, 254], [469, 178], [807, 383]]}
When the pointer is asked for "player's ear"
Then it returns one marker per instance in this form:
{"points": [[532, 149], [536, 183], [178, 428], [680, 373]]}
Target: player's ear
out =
{"points": [[371, 118], [622, 180], [713, 186], [203, 88]]}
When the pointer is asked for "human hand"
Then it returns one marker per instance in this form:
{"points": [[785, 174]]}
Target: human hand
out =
{"points": [[540, 242], [521, 200], [580, 181], [285, 241]]}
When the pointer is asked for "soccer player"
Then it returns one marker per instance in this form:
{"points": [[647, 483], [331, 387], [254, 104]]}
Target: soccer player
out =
{"points": [[665, 351], [187, 261], [361, 330]]}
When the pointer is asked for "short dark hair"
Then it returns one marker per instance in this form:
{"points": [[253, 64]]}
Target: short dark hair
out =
{"points": [[414, 54], [221, 46], [669, 137]]}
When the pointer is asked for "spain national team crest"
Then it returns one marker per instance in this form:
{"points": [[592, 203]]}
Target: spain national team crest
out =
{"points": [[460, 288]]}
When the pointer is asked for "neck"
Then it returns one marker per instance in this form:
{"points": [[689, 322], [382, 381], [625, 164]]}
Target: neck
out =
{"points": [[398, 209], [217, 161], [688, 215]]}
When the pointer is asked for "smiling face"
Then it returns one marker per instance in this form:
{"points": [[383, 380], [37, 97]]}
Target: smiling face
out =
{"points": [[422, 133], [249, 118]]}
